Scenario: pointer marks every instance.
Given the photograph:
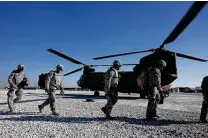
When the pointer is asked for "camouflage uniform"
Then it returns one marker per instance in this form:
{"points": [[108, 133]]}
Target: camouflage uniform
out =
{"points": [[54, 80], [204, 87], [14, 79], [154, 88], [154, 81], [110, 88], [111, 83]]}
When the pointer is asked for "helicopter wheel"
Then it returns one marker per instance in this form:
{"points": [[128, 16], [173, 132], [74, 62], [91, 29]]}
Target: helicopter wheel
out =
{"points": [[142, 95], [96, 93]]}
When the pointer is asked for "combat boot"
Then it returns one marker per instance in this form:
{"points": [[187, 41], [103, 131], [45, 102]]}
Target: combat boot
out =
{"points": [[157, 116], [203, 120], [152, 115], [203, 116], [11, 110], [40, 107], [55, 113], [108, 116]]}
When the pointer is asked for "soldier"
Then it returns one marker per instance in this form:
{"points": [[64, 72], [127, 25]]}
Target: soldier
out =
{"points": [[15, 80], [110, 88], [54, 80], [204, 87], [154, 89]]}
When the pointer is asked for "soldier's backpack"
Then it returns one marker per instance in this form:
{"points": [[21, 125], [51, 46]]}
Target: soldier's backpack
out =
{"points": [[142, 80], [23, 83], [42, 78]]}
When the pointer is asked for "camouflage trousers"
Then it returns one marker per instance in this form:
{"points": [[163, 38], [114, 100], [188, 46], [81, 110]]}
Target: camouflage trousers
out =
{"points": [[112, 98], [50, 100], [10, 97], [153, 101], [204, 108]]}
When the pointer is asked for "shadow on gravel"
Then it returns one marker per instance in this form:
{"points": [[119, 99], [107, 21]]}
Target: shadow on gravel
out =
{"points": [[55, 119], [36, 94], [159, 122], [78, 96], [26, 101], [16, 113], [96, 119]]}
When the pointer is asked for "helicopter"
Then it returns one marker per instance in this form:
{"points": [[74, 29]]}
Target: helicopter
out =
{"points": [[169, 74], [128, 82]]}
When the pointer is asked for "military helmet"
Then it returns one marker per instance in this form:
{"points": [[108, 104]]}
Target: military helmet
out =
{"points": [[162, 63], [117, 63], [20, 66], [59, 66]]}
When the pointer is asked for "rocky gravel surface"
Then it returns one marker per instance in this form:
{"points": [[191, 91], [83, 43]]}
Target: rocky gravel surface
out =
{"points": [[78, 118]]}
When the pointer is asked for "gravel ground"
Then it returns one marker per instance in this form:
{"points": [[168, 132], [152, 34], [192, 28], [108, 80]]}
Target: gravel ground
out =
{"points": [[180, 115]]}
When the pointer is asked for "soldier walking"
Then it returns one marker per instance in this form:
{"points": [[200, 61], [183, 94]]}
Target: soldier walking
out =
{"points": [[111, 88], [53, 81], [204, 87], [154, 89], [15, 81]]}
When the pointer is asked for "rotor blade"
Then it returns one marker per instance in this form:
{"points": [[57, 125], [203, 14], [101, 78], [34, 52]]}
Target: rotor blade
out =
{"points": [[123, 54], [111, 65], [99, 65], [190, 57], [64, 56], [73, 71], [190, 15], [128, 64]]}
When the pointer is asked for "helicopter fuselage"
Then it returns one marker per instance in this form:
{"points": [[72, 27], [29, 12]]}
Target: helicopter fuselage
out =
{"points": [[95, 80]]}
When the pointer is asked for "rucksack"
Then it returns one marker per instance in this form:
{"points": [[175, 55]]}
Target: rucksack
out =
{"points": [[23, 83], [142, 80], [42, 79]]}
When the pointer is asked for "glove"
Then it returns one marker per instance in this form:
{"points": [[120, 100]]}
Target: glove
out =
{"points": [[62, 92]]}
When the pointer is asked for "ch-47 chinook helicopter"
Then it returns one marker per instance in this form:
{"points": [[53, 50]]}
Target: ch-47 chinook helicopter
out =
{"points": [[95, 80], [169, 74]]}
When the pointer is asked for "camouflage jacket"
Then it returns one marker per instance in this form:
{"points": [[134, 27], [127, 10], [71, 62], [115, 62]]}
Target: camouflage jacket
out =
{"points": [[154, 78], [111, 79], [54, 81], [15, 78]]}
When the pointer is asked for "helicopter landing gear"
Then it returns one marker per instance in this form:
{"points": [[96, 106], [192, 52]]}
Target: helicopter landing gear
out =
{"points": [[142, 95], [96, 93]]}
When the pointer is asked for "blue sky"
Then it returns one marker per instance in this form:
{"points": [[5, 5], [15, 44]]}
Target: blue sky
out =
{"points": [[85, 30]]}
